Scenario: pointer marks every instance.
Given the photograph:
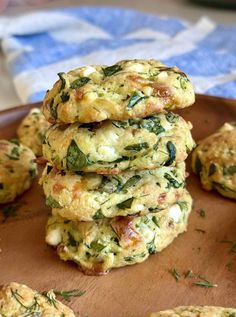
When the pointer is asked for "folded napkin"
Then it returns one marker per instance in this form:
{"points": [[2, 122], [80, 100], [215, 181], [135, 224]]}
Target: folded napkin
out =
{"points": [[41, 44]]}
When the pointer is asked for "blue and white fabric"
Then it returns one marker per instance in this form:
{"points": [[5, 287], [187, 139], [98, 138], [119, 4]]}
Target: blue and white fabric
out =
{"points": [[38, 45]]}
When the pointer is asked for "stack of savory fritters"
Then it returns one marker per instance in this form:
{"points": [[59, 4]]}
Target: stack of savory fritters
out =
{"points": [[116, 173]]}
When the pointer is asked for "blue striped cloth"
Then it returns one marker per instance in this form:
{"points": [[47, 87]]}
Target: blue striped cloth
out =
{"points": [[38, 45]]}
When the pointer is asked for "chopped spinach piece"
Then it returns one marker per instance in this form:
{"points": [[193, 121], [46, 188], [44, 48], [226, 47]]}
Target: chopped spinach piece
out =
{"points": [[152, 124], [151, 246], [53, 109], [198, 166], [171, 117], [76, 159], [135, 98], [33, 172], [229, 170], [155, 146], [97, 246], [110, 184], [15, 141], [183, 205], [172, 153], [49, 168], [157, 129], [212, 169], [172, 182], [79, 82], [137, 147], [98, 215], [120, 124], [111, 70], [145, 219], [63, 81], [71, 240], [125, 204], [155, 220], [129, 258], [153, 210], [10, 211], [53, 203], [15, 155], [183, 82], [65, 96], [131, 182], [121, 159]]}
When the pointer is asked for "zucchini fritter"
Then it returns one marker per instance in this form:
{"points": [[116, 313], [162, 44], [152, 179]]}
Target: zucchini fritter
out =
{"points": [[89, 196], [214, 161], [196, 311], [18, 300], [101, 245], [17, 170], [31, 131], [128, 89], [111, 147]]}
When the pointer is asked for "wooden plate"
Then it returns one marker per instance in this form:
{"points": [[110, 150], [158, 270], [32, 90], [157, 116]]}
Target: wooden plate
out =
{"points": [[139, 289]]}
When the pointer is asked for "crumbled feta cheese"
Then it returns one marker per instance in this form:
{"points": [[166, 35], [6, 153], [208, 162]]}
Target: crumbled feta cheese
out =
{"points": [[175, 213], [138, 207], [148, 90], [107, 152], [53, 237], [162, 75], [88, 70]]}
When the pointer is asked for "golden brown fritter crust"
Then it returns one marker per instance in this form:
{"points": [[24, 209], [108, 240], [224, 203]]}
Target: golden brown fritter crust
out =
{"points": [[214, 160], [31, 131], [90, 196], [17, 170], [128, 89], [101, 245], [18, 300], [196, 311], [115, 146]]}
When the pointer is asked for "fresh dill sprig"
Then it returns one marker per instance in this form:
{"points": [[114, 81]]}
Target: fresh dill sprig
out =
{"points": [[201, 212], [188, 274], [175, 273], [233, 248], [67, 295], [204, 283], [200, 230], [50, 296]]}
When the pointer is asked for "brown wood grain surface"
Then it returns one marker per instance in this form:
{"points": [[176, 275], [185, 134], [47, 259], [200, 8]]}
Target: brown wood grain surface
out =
{"points": [[139, 289]]}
